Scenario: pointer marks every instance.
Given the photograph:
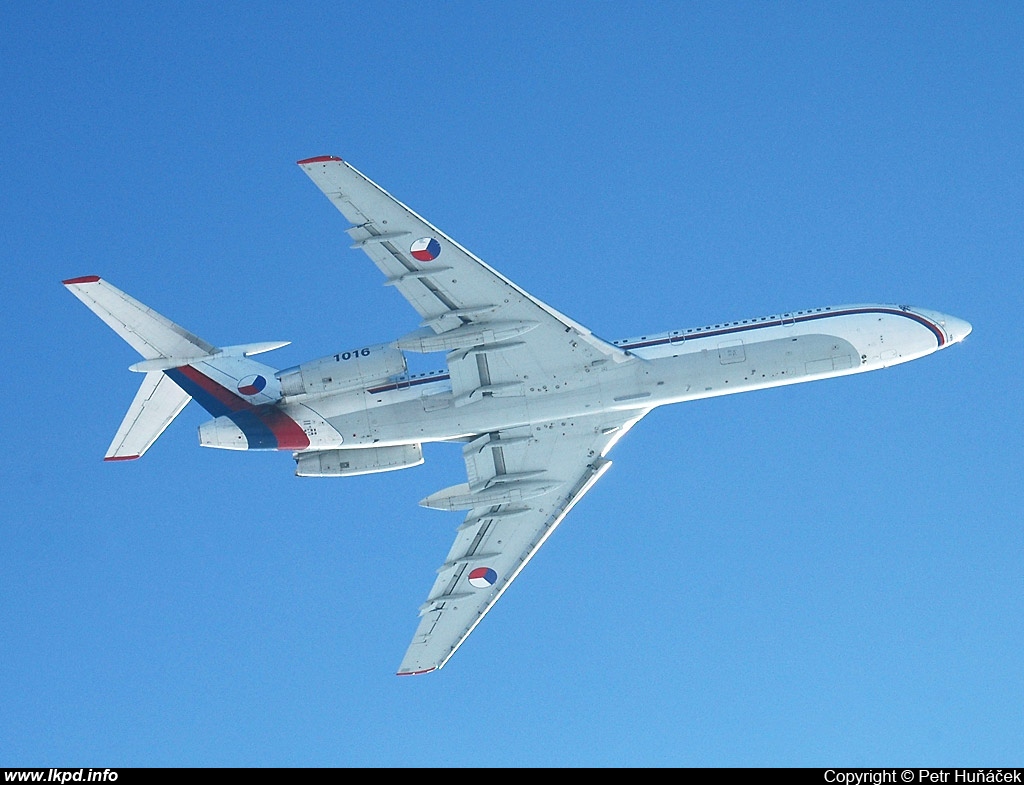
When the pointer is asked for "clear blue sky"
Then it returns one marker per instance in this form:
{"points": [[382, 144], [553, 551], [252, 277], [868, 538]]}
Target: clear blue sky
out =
{"points": [[826, 574]]}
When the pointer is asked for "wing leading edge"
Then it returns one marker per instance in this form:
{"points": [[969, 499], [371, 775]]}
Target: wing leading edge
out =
{"points": [[522, 483]]}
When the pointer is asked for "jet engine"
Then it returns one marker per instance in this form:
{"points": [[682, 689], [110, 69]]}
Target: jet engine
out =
{"points": [[345, 371]]}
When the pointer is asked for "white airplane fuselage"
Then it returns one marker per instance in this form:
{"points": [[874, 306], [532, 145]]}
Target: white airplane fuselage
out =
{"points": [[665, 368], [535, 399]]}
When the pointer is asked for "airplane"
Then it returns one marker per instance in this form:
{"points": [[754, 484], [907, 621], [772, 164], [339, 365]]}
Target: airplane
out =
{"points": [[535, 399]]}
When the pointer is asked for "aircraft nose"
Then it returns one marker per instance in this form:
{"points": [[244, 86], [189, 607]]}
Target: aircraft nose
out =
{"points": [[956, 329]]}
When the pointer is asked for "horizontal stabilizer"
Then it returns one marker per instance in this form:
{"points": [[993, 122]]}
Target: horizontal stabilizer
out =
{"points": [[149, 333], [157, 403]]}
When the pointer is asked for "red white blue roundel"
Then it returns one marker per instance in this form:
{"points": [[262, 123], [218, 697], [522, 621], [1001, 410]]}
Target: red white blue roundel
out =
{"points": [[426, 249], [483, 577], [251, 385]]}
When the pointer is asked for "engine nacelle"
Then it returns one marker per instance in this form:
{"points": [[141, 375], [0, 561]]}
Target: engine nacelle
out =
{"points": [[349, 462], [343, 372]]}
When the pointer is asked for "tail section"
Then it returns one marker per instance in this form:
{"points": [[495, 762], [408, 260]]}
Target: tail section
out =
{"points": [[178, 366]]}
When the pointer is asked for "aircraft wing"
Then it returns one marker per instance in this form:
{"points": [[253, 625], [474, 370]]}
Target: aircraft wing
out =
{"points": [[522, 482], [500, 342], [465, 304]]}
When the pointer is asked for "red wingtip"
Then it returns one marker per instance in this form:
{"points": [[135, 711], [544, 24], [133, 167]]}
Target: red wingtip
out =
{"points": [[83, 279], [318, 159], [121, 457]]}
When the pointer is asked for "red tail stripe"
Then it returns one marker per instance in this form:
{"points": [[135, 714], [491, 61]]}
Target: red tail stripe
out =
{"points": [[289, 434]]}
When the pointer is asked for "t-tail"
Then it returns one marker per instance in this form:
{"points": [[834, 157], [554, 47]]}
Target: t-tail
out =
{"points": [[178, 366]]}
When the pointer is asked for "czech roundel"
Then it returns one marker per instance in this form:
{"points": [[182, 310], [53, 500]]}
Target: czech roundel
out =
{"points": [[251, 385], [426, 249], [483, 577]]}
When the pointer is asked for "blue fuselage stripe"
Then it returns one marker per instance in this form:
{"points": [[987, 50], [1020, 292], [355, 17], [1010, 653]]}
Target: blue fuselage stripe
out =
{"points": [[257, 433], [779, 321], [214, 405]]}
